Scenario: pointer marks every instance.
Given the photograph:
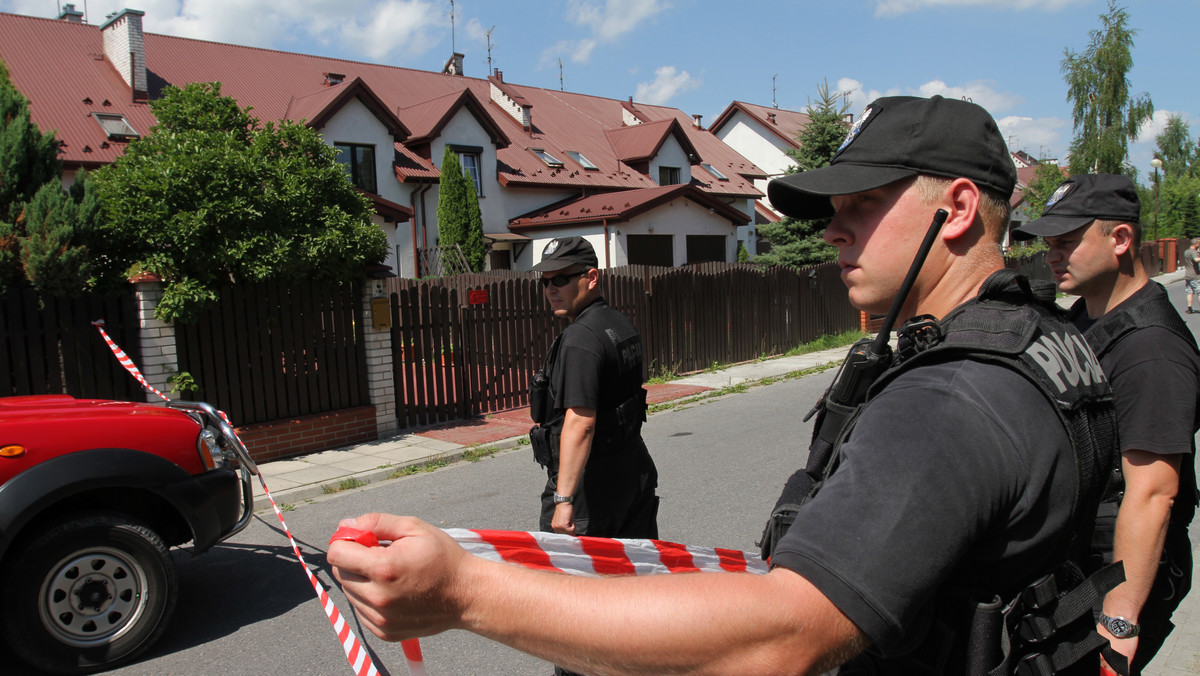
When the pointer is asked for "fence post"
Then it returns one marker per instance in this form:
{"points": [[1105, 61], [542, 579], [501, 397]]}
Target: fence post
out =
{"points": [[159, 356], [381, 387]]}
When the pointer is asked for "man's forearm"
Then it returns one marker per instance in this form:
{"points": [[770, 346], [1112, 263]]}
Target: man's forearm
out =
{"points": [[574, 447], [1151, 482], [699, 623]]}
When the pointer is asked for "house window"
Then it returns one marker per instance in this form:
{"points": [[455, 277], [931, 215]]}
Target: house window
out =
{"points": [[583, 161], [713, 170], [116, 126], [668, 175], [550, 160], [470, 165], [359, 162]]}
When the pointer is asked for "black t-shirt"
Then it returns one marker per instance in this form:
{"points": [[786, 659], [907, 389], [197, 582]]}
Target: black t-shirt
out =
{"points": [[598, 364], [1154, 375], [957, 473]]}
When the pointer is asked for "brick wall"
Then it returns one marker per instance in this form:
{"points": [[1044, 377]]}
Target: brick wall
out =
{"points": [[307, 434]]}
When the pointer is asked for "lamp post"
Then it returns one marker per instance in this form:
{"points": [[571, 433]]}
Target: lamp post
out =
{"points": [[1156, 163]]}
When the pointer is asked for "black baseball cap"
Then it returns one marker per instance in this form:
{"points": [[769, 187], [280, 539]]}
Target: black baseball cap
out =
{"points": [[564, 252], [1082, 199], [897, 137]]}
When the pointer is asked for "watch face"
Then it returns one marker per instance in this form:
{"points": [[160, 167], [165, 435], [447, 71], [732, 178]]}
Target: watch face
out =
{"points": [[1120, 627]]}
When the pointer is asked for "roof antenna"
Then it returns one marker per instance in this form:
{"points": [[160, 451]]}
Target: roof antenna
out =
{"points": [[453, 49], [774, 104], [560, 75], [489, 47]]}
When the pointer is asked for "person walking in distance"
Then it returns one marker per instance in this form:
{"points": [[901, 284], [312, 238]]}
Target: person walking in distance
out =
{"points": [[1191, 271]]}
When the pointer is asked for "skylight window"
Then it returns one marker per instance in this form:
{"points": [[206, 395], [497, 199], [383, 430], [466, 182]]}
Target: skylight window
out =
{"points": [[550, 160], [583, 161], [116, 126], [713, 170]]}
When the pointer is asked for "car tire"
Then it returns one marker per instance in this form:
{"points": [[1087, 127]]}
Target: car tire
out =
{"points": [[90, 593]]}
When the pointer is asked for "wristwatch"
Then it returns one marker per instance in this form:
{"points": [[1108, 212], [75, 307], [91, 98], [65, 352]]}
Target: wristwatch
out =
{"points": [[560, 499], [1119, 626]]}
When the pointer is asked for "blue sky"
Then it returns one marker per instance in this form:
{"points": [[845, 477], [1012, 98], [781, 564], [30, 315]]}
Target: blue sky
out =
{"points": [[699, 55]]}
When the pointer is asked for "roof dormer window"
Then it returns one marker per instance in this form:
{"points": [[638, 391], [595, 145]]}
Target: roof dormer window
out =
{"points": [[116, 126], [550, 160], [713, 170], [583, 161]]}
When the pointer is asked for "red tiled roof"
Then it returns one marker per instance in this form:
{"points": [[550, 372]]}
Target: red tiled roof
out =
{"points": [[787, 124], [764, 213], [640, 142], [317, 108], [59, 66], [621, 206], [430, 117]]}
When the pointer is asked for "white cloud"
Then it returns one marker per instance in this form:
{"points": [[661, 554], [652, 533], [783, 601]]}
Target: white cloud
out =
{"points": [[667, 83], [575, 50], [1044, 137], [375, 29], [610, 19], [898, 7]]}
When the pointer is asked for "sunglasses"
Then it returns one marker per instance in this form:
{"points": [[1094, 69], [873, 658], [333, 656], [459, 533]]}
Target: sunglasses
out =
{"points": [[560, 280]]}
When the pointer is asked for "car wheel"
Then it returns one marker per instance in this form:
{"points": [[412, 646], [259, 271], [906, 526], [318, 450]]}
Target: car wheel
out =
{"points": [[90, 593]]}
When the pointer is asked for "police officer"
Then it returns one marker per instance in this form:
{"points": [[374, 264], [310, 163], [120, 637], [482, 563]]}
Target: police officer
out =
{"points": [[959, 472], [1091, 226], [590, 408]]}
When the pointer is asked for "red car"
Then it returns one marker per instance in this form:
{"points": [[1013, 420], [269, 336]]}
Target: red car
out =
{"points": [[93, 494]]}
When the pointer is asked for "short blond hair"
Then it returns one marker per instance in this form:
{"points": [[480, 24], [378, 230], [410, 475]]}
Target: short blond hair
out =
{"points": [[994, 208], [1106, 228]]}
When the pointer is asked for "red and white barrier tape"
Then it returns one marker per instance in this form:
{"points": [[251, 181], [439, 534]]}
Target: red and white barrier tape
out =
{"points": [[596, 556], [356, 653]]}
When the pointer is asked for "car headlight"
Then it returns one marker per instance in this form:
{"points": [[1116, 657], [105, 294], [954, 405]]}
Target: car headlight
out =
{"points": [[206, 444]]}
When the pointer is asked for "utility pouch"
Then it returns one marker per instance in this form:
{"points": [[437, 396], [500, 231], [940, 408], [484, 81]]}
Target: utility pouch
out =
{"points": [[797, 491], [632, 413], [539, 439], [539, 397]]}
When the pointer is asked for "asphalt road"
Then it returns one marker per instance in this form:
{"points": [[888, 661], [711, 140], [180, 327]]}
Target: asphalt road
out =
{"points": [[246, 607]]}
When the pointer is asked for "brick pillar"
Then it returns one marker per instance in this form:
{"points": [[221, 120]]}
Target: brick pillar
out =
{"points": [[378, 344], [160, 359]]}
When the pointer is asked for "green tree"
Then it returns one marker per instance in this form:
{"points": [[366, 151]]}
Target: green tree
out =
{"points": [[212, 196], [1106, 117], [459, 218], [1176, 148], [796, 242], [44, 231], [55, 257]]}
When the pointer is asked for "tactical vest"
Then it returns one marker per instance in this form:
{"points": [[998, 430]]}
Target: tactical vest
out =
{"points": [[615, 424], [1048, 625]]}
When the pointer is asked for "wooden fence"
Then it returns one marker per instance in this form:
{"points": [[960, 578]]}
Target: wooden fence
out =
{"points": [[49, 346], [272, 351], [468, 345]]}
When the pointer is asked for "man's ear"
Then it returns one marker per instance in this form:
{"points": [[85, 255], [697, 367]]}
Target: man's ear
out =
{"points": [[962, 202], [1122, 236], [593, 276]]}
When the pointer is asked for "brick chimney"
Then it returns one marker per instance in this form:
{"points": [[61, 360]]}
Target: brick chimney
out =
{"points": [[125, 47], [771, 118], [696, 121], [69, 13], [454, 66]]}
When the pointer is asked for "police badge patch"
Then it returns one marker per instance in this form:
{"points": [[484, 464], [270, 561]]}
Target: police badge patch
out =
{"points": [[1059, 193], [857, 127], [550, 248]]}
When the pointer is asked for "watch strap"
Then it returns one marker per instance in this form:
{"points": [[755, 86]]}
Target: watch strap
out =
{"points": [[561, 499]]}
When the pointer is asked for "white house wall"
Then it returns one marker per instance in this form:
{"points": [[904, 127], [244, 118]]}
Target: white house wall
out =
{"points": [[355, 123], [679, 218], [671, 154], [759, 145]]}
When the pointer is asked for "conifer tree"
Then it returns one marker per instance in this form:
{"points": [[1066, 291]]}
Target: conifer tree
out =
{"points": [[796, 242]]}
